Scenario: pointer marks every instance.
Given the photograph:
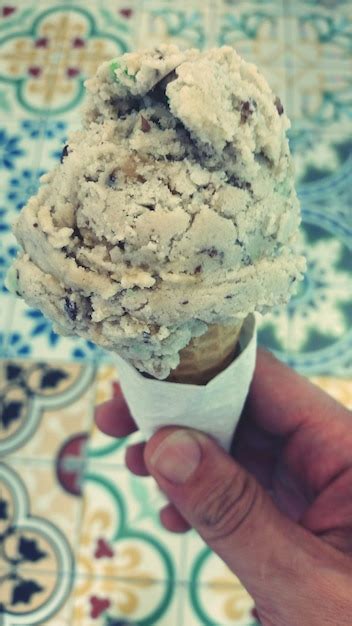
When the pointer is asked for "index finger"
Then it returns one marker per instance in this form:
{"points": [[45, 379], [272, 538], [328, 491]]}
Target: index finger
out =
{"points": [[114, 418], [281, 401]]}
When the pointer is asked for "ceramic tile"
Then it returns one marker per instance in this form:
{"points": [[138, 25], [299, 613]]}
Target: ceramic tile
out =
{"points": [[326, 7], [121, 535], [19, 169], [107, 602], [214, 604], [30, 50], [185, 26], [312, 333], [8, 251], [319, 72], [17, 147], [39, 521], [323, 164], [255, 29], [31, 328], [39, 597], [46, 409], [339, 389], [47, 61], [7, 304], [94, 34]]}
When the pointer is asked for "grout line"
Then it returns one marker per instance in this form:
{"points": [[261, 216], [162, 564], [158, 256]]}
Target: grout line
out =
{"points": [[9, 316], [81, 576], [182, 599], [85, 460], [212, 23]]}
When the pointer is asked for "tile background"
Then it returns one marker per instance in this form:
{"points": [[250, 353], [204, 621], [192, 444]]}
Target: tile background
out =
{"points": [[91, 548]]}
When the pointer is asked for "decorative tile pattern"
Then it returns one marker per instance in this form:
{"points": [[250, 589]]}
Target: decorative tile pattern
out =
{"points": [[47, 62], [31, 547], [43, 406], [110, 602], [80, 538], [167, 24], [256, 30], [216, 594], [43, 341], [298, 333], [319, 73]]}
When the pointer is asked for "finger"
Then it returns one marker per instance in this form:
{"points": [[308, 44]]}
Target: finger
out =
{"points": [[172, 520], [280, 400], [134, 459], [233, 514], [257, 451], [114, 418], [288, 493], [330, 515]]}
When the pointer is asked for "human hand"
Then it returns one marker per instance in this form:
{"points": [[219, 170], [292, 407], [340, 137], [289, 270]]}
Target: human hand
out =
{"points": [[279, 513]]}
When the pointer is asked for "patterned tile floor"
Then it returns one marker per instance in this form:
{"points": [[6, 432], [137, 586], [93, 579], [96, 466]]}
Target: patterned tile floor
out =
{"points": [[80, 541]]}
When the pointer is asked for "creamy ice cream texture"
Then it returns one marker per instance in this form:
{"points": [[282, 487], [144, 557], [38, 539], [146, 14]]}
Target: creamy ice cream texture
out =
{"points": [[173, 208]]}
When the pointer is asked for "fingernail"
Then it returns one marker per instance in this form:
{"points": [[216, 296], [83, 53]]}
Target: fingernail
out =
{"points": [[177, 457]]}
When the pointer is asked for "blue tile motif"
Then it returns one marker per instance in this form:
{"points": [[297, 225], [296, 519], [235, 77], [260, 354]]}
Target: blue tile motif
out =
{"points": [[41, 326], [9, 150], [22, 186], [7, 254]]}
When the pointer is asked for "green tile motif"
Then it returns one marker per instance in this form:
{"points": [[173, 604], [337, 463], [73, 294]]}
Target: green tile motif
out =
{"points": [[47, 63]]}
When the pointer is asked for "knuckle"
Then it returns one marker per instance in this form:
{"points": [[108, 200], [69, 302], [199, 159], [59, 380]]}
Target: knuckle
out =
{"points": [[228, 507]]}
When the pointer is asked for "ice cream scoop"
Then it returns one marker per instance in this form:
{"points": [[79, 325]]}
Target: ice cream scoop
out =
{"points": [[172, 210]]}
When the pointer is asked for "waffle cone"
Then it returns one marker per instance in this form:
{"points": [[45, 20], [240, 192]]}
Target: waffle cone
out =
{"points": [[208, 355]]}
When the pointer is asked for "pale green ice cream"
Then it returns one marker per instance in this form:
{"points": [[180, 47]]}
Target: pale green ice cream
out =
{"points": [[173, 208]]}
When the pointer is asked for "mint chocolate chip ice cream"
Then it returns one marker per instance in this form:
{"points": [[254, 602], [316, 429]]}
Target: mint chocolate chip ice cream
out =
{"points": [[173, 208]]}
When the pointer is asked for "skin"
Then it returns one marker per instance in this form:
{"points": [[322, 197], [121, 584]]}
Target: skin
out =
{"points": [[278, 510]]}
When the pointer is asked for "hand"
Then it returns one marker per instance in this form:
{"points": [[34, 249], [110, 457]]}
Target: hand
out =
{"points": [[279, 513]]}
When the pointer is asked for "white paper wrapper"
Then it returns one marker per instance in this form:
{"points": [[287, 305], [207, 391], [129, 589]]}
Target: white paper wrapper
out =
{"points": [[214, 408]]}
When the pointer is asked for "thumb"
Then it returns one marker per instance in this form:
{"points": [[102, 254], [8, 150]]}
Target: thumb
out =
{"points": [[268, 552]]}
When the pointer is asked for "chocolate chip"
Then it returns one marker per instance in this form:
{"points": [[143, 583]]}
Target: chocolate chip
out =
{"points": [[112, 178], [210, 252], [198, 269], [70, 308], [279, 106], [158, 92], [35, 225], [237, 182], [247, 109], [77, 233], [150, 207], [228, 297], [145, 126], [121, 245], [185, 302], [64, 153]]}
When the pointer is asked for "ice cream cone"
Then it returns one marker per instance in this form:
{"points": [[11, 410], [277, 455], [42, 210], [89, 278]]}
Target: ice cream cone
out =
{"points": [[207, 355], [213, 408]]}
